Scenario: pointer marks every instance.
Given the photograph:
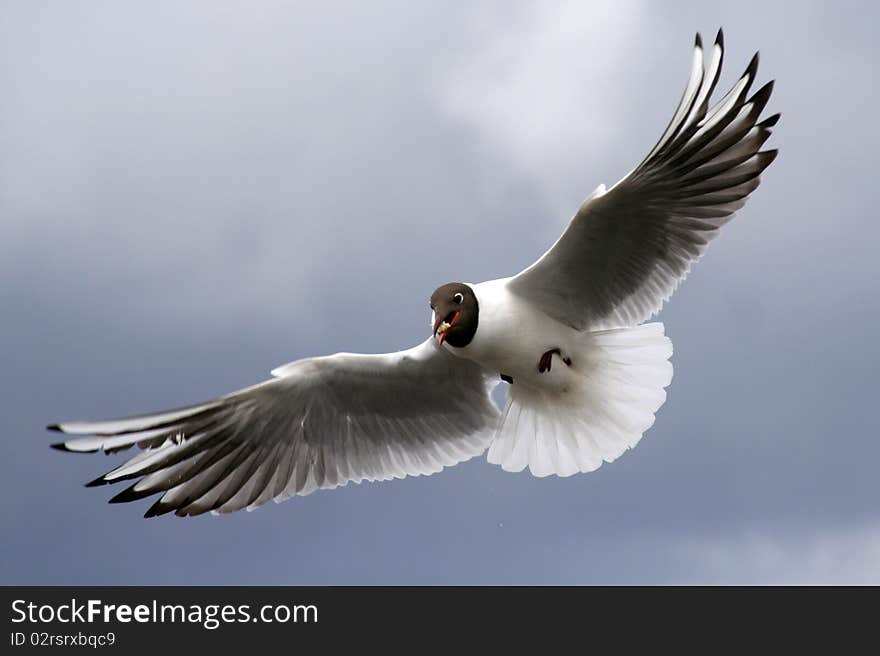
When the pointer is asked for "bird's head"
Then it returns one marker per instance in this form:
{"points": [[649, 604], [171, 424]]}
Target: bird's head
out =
{"points": [[455, 314]]}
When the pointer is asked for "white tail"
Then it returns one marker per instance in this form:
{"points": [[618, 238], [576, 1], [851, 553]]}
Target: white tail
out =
{"points": [[619, 385]]}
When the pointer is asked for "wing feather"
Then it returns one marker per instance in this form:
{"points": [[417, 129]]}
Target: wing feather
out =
{"points": [[321, 423], [627, 249]]}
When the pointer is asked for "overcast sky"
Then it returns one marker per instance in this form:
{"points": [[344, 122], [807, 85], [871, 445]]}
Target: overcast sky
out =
{"points": [[194, 193]]}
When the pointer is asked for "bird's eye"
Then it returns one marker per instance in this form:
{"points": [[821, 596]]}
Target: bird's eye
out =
{"points": [[458, 298]]}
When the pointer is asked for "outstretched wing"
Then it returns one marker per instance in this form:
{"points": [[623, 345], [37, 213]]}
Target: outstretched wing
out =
{"points": [[625, 251], [320, 423]]}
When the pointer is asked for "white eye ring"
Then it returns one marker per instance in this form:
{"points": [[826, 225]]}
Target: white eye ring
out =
{"points": [[458, 298]]}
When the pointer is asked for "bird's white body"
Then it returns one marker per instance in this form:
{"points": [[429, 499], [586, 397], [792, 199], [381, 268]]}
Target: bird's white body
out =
{"points": [[513, 335], [596, 400]]}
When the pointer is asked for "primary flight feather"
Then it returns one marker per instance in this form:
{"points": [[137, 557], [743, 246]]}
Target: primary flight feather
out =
{"points": [[585, 375]]}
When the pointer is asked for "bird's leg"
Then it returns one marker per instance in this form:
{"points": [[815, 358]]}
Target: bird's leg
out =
{"points": [[546, 360], [507, 379]]}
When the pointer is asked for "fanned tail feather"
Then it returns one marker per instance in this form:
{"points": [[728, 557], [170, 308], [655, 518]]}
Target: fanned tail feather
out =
{"points": [[621, 376]]}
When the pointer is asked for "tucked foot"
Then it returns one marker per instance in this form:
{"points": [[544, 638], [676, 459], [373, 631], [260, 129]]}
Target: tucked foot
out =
{"points": [[546, 361], [507, 379]]}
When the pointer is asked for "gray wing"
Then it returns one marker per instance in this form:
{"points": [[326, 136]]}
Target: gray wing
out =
{"points": [[320, 423], [625, 251]]}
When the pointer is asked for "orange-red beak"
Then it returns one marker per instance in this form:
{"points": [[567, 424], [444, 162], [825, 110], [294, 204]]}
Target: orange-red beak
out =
{"points": [[441, 327]]}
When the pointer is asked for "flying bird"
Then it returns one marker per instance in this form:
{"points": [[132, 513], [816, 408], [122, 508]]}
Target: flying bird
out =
{"points": [[585, 375]]}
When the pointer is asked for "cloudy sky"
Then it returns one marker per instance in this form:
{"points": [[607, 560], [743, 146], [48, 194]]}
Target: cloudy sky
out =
{"points": [[193, 193]]}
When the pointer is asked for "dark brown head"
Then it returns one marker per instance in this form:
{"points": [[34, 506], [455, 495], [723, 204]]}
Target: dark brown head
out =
{"points": [[456, 314]]}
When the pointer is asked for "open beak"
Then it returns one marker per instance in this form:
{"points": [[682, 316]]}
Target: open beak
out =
{"points": [[442, 326]]}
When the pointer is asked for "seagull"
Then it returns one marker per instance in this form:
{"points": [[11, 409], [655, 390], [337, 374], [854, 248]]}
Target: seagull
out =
{"points": [[585, 374]]}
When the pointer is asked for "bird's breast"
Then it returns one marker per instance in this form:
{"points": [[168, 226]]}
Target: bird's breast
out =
{"points": [[512, 335]]}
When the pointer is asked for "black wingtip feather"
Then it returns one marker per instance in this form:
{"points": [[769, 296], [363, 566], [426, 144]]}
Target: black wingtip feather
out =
{"points": [[54, 427], [698, 41], [761, 96], [752, 68], [98, 482], [770, 121], [766, 157], [130, 494], [719, 38], [61, 446], [157, 509]]}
